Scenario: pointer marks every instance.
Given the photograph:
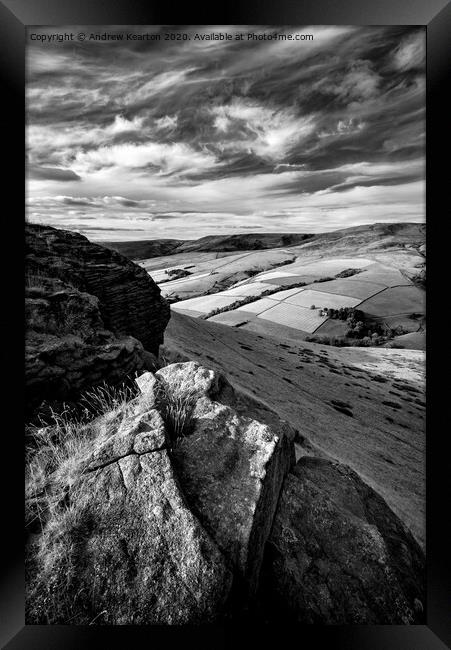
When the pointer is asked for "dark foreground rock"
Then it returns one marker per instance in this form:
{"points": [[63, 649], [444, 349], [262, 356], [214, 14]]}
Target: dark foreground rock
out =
{"points": [[92, 316], [337, 554]]}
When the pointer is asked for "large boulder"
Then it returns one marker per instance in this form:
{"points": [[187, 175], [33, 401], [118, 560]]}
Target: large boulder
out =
{"points": [[337, 554], [231, 466], [139, 529]]}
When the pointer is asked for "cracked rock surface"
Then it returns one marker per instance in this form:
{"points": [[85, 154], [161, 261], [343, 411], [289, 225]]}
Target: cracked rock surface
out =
{"points": [[231, 467], [127, 548], [147, 536]]}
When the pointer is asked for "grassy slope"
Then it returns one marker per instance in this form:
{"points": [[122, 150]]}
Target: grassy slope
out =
{"points": [[383, 439]]}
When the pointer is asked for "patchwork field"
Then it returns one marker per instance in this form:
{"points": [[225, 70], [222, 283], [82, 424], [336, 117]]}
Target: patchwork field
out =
{"points": [[211, 271], [372, 269], [298, 308]]}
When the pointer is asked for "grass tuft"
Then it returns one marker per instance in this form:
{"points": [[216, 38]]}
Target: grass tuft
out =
{"points": [[177, 410], [61, 438]]}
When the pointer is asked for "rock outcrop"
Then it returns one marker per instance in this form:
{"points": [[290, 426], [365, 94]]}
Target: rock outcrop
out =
{"points": [[137, 533], [337, 554], [92, 316], [129, 300]]}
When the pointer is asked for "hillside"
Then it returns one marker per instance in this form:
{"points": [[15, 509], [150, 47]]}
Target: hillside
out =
{"points": [[148, 248], [243, 242], [362, 406]]}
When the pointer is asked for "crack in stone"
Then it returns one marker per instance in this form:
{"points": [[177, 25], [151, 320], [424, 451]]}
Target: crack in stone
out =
{"points": [[118, 458], [122, 475]]}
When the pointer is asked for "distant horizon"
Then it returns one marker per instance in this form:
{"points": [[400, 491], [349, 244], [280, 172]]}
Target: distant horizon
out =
{"points": [[113, 238], [191, 137]]}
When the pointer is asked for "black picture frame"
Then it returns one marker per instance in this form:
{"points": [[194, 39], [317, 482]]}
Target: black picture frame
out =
{"points": [[15, 16]]}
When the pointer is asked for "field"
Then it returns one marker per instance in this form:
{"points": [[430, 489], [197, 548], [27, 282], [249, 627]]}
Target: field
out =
{"points": [[380, 274], [411, 341], [205, 304], [294, 316], [329, 266], [251, 289], [258, 306], [275, 275], [287, 280], [395, 301], [233, 318], [332, 327], [309, 297], [350, 287]]}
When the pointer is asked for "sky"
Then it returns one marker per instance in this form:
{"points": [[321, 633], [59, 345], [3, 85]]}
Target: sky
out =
{"points": [[150, 139]]}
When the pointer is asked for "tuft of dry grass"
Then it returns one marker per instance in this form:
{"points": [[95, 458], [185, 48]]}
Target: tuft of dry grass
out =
{"points": [[55, 590], [177, 410], [54, 508], [61, 438]]}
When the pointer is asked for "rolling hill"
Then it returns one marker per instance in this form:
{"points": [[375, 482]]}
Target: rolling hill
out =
{"points": [[407, 233]]}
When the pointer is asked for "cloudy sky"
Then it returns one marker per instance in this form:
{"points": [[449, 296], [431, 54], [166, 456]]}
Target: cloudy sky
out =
{"points": [[181, 139]]}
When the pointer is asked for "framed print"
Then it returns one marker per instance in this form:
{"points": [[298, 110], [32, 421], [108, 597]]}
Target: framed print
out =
{"points": [[228, 428]]}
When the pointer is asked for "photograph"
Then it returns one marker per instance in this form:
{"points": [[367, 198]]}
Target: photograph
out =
{"points": [[225, 325]]}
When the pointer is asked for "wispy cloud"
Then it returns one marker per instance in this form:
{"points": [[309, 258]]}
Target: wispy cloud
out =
{"points": [[187, 138]]}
